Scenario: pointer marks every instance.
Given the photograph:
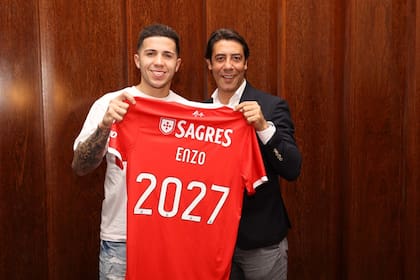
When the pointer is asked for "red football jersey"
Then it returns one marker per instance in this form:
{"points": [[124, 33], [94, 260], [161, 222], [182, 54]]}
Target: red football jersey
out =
{"points": [[187, 168]]}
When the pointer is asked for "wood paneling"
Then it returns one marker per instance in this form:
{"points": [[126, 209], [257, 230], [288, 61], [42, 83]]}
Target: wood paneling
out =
{"points": [[348, 69], [410, 174], [83, 56], [311, 76], [23, 233], [375, 92]]}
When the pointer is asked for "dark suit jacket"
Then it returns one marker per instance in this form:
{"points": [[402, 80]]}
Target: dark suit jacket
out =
{"points": [[264, 219]]}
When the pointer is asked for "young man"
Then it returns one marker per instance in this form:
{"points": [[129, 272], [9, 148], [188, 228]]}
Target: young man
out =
{"points": [[158, 60], [261, 248]]}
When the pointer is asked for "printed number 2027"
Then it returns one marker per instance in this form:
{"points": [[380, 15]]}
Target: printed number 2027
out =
{"points": [[186, 215]]}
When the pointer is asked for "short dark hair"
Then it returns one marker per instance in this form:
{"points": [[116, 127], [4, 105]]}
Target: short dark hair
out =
{"points": [[159, 30], [225, 34]]}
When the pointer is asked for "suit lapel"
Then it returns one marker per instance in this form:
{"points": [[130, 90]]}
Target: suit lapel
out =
{"points": [[248, 94]]}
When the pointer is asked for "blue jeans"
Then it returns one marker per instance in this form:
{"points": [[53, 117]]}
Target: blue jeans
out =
{"points": [[266, 263], [112, 260]]}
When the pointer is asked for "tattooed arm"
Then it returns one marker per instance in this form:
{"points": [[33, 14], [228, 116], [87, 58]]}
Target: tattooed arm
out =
{"points": [[88, 154]]}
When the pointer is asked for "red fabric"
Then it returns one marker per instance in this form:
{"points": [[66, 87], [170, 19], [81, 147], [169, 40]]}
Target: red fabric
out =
{"points": [[187, 168]]}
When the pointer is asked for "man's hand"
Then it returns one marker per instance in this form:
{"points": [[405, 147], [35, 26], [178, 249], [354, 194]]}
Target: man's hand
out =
{"points": [[117, 109], [253, 114]]}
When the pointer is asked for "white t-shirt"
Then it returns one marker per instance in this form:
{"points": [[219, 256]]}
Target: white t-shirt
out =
{"points": [[114, 216]]}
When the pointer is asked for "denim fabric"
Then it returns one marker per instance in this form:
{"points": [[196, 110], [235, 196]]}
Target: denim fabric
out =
{"points": [[112, 260]]}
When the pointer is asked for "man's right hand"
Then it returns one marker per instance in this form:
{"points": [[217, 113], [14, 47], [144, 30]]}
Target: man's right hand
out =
{"points": [[117, 109]]}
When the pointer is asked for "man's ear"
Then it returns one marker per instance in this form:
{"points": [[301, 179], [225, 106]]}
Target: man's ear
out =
{"points": [[178, 64], [137, 60], [209, 64]]}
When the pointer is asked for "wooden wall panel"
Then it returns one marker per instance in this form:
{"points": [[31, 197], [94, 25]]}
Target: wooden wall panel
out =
{"points": [[186, 17], [349, 70], [411, 150], [375, 93], [83, 56], [311, 73], [23, 235]]}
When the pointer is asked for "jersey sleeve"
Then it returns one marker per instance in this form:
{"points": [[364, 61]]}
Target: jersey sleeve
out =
{"points": [[253, 169], [123, 135], [117, 145]]}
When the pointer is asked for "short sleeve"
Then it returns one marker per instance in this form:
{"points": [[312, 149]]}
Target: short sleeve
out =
{"points": [[253, 169]]}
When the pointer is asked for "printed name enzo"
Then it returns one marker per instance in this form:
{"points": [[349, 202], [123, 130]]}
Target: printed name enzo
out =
{"points": [[190, 156]]}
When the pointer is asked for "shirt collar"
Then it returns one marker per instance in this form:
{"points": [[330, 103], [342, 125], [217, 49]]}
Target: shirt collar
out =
{"points": [[234, 100]]}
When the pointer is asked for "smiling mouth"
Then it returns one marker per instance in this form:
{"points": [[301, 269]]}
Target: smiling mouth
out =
{"points": [[227, 76], [158, 73]]}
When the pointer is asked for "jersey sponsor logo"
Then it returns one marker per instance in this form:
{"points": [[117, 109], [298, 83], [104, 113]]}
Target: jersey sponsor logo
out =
{"points": [[204, 133], [167, 126], [199, 132]]}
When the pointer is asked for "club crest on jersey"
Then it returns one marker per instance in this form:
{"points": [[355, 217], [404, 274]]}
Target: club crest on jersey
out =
{"points": [[167, 126]]}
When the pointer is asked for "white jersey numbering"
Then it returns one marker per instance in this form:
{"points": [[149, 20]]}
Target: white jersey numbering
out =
{"points": [[186, 215]]}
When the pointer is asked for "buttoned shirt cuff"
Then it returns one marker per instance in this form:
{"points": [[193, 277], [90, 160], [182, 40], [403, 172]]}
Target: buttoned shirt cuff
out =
{"points": [[266, 134]]}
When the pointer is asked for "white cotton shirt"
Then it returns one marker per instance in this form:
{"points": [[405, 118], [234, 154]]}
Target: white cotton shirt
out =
{"points": [[264, 135], [114, 216]]}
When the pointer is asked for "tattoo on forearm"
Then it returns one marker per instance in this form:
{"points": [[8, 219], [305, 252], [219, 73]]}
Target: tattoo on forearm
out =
{"points": [[88, 154]]}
